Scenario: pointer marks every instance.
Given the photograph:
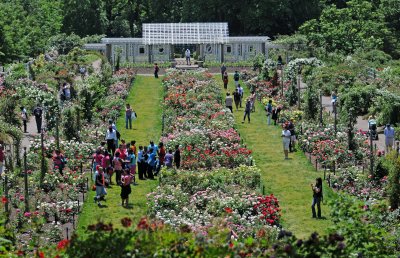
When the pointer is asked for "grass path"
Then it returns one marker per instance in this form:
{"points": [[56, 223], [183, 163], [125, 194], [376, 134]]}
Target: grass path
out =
{"points": [[145, 97], [289, 180]]}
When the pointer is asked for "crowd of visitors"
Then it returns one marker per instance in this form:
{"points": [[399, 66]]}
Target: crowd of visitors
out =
{"points": [[125, 160]]}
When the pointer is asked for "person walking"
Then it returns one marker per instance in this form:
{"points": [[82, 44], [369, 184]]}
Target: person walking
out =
{"points": [[247, 110], [225, 80], [229, 101], [156, 69], [241, 92], [128, 116], [286, 141], [187, 55], [125, 188], [236, 98], [268, 108], [291, 128], [24, 117], [389, 137], [333, 101], [275, 114], [236, 78], [223, 70], [118, 167], [317, 197], [37, 112], [177, 157]]}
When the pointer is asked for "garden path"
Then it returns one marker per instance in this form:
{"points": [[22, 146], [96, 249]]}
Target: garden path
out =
{"points": [[289, 180], [361, 123], [145, 98]]}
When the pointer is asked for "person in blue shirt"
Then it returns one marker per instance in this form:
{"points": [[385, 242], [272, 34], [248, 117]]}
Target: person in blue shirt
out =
{"points": [[151, 163], [268, 108], [132, 165], [153, 146], [389, 137], [140, 161]]}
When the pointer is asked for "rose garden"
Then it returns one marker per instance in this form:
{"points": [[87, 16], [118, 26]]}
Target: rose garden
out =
{"points": [[233, 194]]}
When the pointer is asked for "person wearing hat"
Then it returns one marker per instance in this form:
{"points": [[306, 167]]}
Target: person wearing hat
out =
{"points": [[247, 110], [389, 137]]}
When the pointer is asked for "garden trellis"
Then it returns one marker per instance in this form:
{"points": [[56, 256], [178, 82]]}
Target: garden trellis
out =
{"points": [[185, 33]]}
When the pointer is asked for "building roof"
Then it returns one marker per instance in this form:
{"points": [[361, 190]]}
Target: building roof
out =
{"points": [[185, 33], [250, 39], [94, 46]]}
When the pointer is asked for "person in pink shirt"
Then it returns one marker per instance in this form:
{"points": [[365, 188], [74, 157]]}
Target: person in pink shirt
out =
{"points": [[122, 151], [125, 187], [105, 161], [97, 158], [117, 163]]}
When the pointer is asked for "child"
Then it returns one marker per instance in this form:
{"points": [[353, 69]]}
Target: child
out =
{"points": [[125, 187], [132, 165]]}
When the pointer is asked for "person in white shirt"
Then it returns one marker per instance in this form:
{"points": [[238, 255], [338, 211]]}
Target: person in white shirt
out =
{"points": [[389, 137], [111, 138], [187, 54], [286, 141]]}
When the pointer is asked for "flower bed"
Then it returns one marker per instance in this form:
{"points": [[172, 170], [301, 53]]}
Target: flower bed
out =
{"points": [[197, 199], [195, 119], [325, 145]]}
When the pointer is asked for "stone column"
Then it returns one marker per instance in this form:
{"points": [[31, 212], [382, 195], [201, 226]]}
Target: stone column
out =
{"points": [[222, 53], [150, 50], [108, 52]]}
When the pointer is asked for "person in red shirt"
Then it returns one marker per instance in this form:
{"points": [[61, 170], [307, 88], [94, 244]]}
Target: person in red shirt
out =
{"points": [[122, 152], [59, 161], [97, 158]]}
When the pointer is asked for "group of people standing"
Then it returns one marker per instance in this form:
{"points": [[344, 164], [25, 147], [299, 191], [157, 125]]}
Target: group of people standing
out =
{"points": [[124, 159], [37, 112]]}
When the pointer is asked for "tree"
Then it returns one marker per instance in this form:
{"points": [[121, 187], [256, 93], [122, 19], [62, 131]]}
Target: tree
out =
{"points": [[85, 17], [345, 30]]}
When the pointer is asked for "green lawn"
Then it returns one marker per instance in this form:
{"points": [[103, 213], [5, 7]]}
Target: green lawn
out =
{"points": [[145, 97], [289, 180]]}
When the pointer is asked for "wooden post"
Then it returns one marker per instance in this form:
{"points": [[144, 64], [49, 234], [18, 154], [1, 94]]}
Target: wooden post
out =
{"points": [[282, 80], [320, 110], [67, 233], [316, 165], [263, 190], [334, 108], [6, 194], [43, 164], [298, 88], [26, 183], [57, 133], [371, 170]]}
